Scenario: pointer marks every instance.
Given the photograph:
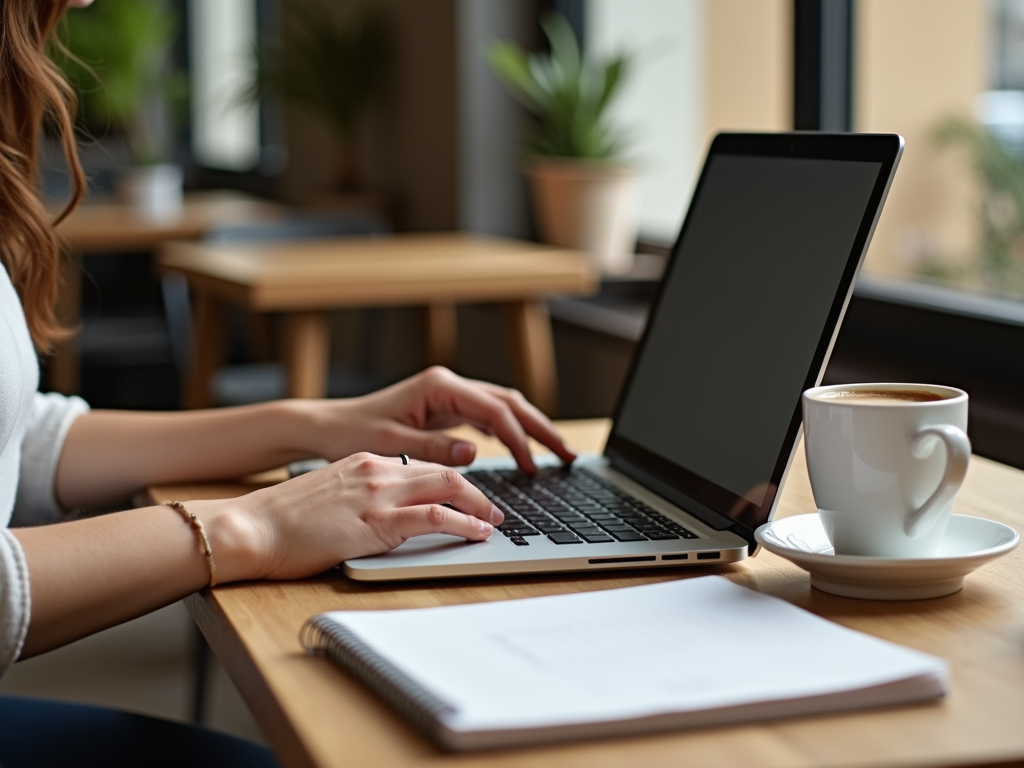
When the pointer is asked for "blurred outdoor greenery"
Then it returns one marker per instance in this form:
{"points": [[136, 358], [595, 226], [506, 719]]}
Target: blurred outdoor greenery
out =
{"points": [[115, 53], [998, 265]]}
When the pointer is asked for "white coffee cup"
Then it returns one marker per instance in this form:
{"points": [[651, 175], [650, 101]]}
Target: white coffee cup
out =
{"points": [[883, 484]]}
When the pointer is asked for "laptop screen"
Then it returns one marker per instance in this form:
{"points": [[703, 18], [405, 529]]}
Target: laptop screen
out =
{"points": [[747, 311]]}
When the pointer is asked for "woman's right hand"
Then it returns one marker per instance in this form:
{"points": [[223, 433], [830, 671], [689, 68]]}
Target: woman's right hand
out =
{"points": [[362, 505]]}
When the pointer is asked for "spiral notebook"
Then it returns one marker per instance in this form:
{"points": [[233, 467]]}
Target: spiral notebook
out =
{"points": [[679, 654]]}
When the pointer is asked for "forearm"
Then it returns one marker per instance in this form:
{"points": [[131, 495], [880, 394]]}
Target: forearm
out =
{"points": [[91, 574], [111, 454]]}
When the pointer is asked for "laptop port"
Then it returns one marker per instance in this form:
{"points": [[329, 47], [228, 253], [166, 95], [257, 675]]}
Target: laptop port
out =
{"points": [[675, 557], [709, 555], [605, 560]]}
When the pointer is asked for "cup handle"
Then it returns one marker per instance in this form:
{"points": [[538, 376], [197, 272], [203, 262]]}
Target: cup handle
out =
{"points": [[958, 453]]}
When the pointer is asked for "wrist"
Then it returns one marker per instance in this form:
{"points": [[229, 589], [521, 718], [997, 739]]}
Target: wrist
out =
{"points": [[235, 538], [287, 430], [323, 427], [303, 425]]}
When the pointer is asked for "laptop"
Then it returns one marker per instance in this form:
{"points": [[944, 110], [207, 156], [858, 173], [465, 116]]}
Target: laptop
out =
{"points": [[709, 416]]}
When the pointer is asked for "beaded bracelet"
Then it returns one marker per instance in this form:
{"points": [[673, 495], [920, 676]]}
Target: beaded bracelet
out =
{"points": [[196, 523]]}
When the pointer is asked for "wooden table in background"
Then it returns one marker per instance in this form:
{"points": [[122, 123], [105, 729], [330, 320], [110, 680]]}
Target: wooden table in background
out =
{"points": [[314, 714], [306, 279], [113, 227]]}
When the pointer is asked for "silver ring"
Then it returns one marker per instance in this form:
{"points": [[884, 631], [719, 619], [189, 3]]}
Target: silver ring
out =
{"points": [[404, 457]]}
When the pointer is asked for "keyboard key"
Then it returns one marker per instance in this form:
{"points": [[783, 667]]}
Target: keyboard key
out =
{"points": [[519, 541], [573, 518], [557, 500], [585, 528], [628, 536], [550, 527], [565, 537]]}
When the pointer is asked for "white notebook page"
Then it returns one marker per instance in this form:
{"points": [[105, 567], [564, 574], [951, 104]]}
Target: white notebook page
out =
{"points": [[678, 646]]}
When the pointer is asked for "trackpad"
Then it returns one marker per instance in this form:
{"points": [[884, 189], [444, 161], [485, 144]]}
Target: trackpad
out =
{"points": [[430, 543]]}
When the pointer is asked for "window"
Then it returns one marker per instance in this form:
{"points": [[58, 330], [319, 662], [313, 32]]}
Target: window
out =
{"points": [[700, 68], [947, 75], [222, 39]]}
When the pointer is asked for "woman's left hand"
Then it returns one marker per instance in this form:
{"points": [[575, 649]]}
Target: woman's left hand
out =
{"points": [[408, 418]]}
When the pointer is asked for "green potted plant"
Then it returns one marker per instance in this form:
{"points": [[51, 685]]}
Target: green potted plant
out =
{"points": [[335, 73], [998, 167], [116, 57], [584, 194]]}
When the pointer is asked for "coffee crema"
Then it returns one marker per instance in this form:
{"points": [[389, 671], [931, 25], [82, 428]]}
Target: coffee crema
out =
{"points": [[882, 396]]}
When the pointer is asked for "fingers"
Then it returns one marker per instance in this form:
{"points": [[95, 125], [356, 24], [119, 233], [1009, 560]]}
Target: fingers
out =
{"points": [[435, 518], [435, 446], [535, 423], [498, 409], [480, 406], [448, 486], [442, 399]]}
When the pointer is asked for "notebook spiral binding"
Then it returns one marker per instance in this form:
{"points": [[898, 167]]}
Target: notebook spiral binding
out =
{"points": [[412, 701]]}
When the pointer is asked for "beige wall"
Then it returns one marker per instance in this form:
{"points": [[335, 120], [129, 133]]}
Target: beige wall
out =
{"points": [[749, 64], [918, 62]]}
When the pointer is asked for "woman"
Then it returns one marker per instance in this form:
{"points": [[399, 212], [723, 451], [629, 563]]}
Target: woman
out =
{"points": [[61, 582]]}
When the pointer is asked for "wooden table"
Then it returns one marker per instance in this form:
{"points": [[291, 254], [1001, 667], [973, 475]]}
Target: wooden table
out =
{"points": [[314, 714], [304, 280], [114, 227]]}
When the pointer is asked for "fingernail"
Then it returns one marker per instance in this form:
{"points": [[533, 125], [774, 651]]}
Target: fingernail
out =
{"points": [[486, 529], [463, 453], [497, 516]]}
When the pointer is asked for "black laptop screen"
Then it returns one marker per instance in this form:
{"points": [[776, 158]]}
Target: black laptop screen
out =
{"points": [[741, 314]]}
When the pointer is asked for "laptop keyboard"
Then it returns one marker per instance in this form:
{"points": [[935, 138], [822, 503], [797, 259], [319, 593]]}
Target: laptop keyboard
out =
{"points": [[571, 506]]}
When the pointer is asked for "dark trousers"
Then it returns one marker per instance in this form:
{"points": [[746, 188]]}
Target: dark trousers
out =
{"points": [[35, 733]]}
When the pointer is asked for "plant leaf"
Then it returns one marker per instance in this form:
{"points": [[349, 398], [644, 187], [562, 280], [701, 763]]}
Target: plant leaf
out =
{"points": [[569, 94]]}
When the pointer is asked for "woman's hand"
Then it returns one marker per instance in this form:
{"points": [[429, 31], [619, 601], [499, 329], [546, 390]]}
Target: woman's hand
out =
{"points": [[95, 572], [407, 417], [362, 505]]}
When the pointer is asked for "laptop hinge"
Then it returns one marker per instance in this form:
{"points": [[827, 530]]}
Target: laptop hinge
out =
{"points": [[702, 512]]}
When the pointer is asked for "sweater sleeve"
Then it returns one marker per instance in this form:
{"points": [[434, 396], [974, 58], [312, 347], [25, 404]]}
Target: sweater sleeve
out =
{"points": [[14, 600], [52, 416]]}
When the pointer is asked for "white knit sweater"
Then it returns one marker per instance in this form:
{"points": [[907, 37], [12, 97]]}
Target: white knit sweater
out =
{"points": [[32, 430]]}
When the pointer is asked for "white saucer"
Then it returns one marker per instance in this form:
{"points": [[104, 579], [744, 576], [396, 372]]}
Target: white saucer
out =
{"points": [[969, 543]]}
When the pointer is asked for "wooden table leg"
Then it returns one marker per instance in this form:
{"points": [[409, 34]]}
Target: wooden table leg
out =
{"points": [[64, 366], [308, 350], [207, 349], [442, 333], [534, 351]]}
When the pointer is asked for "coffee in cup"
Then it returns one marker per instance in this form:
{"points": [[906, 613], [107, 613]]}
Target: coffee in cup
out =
{"points": [[882, 396], [885, 461]]}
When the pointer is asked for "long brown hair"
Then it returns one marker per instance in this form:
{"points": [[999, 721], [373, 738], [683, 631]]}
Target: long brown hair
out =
{"points": [[32, 91]]}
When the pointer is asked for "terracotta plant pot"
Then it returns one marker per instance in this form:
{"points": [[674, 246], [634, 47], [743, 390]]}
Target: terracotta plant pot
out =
{"points": [[587, 206]]}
